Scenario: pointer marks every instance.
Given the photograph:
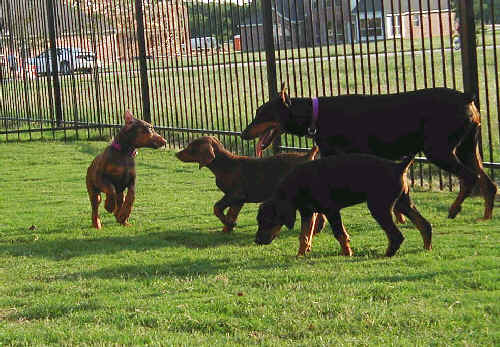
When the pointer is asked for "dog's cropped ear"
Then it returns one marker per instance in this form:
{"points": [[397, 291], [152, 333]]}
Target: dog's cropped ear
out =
{"points": [[286, 213], [129, 119], [284, 97], [207, 155]]}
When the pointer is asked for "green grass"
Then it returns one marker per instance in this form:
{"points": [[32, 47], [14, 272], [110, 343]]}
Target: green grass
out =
{"points": [[173, 278], [218, 58]]}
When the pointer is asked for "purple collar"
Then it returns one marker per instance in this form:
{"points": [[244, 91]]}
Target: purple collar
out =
{"points": [[312, 130], [132, 151]]}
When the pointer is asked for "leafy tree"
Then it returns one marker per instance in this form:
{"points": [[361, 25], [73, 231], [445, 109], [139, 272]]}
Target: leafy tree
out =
{"points": [[488, 6], [221, 20]]}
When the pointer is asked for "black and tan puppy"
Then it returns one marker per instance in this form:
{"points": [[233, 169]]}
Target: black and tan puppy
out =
{"points": [[440, 122], [113, 171], [242, 179], [329, 184]]}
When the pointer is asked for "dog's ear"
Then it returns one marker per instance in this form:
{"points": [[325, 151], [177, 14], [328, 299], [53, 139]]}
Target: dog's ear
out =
{"points": [[284, 97], [207, 155], [286, 213], [129, 119]]}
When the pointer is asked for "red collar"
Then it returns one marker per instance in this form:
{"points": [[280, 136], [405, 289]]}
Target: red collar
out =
{"points": [[132, 151]]}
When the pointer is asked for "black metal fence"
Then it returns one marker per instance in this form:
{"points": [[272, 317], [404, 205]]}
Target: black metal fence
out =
{"points": [[69, 68]]}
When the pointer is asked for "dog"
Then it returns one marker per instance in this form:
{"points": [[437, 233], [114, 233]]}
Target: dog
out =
{"points": [[443, 123], [113, 171], [329, 184], [242, 179]]}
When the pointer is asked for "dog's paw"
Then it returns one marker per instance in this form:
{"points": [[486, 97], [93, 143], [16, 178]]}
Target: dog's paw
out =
{"points": [[454, 210], [96, 223], [227, 229], [110, 204], [347, 252]]}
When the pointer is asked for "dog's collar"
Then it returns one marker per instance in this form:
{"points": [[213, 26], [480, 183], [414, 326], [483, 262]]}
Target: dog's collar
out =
{"points": [[132, 152], [312, 130]]}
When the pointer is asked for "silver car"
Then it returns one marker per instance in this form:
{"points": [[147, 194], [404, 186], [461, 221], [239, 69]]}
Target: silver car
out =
{"points": [[69, 59]]}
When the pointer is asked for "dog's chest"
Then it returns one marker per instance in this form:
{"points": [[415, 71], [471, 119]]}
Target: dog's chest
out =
{"points": [[120, 175]]}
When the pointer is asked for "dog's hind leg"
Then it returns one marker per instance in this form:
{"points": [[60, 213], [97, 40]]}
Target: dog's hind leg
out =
{"points": [[469, 154], [406, 206], [445, 158], [320, 223], [308, 221], [339, 232], [381, 211], [95, 200]]}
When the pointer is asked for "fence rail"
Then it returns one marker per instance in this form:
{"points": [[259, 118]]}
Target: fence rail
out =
{"points": [[69, 69]]}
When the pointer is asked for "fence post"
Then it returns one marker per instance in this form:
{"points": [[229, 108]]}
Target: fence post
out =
{"points": [[469, 52], [141, 42], [272, 82], [53, 57]]}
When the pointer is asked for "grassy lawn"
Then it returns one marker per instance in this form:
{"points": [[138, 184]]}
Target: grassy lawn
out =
{"points": [[210, 57], [173, 278]]}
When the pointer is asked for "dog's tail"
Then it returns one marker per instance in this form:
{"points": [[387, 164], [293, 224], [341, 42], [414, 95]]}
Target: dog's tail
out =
{"points": [[405, 164], [313, 152], [473, 113]]}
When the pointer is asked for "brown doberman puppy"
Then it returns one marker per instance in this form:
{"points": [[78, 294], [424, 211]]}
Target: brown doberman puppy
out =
{"points": [[329, 184], [242, 179], [443, 123], [113, 170]]}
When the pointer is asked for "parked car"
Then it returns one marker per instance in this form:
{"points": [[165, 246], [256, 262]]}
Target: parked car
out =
{"points": [[201, 43], [69, 59]]}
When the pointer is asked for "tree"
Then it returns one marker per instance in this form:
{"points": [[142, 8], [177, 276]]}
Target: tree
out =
{"points": [[165, 23], [219, 19], [485, 12]]}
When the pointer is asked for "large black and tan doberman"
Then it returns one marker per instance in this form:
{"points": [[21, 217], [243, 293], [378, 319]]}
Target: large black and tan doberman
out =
{"points": [[440, 122]]}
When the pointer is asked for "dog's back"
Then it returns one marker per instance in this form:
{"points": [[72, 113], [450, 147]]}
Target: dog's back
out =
{"points": [[260, 177], [346, 178]]}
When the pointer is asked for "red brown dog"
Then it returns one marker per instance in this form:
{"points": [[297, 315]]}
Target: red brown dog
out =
{"points": [[113, 170], [329, 184], [242, 179]]}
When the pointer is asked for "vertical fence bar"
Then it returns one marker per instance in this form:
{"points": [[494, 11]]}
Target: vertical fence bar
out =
{"points": [[53, 56], [469, 53], [141, 42], [267, 19]]}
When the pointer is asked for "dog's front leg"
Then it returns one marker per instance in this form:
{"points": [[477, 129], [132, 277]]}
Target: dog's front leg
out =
{"points": [[120, 199], [231, 217], [219, 208], [126, 209], [109, 189], [308, 222]]}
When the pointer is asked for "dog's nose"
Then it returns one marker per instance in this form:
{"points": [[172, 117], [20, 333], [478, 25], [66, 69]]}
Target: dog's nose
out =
{"points": [[162, 141]]}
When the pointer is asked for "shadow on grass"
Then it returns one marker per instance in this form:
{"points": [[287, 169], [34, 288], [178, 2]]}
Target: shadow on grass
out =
{"points": [[63, 249], [422, 276], [176, 268]]}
